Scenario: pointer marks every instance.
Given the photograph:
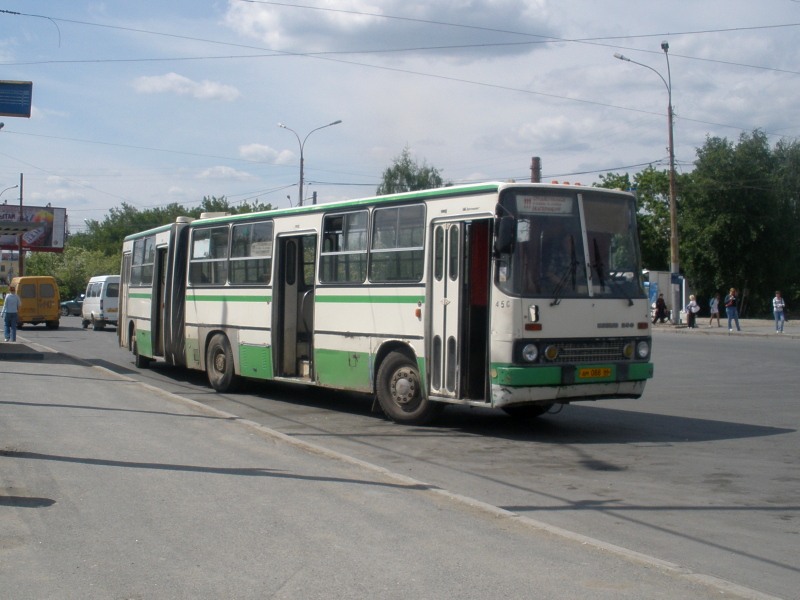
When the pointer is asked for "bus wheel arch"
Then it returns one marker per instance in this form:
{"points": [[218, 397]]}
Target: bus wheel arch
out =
{"points": [[399, 387], [220, 366]]}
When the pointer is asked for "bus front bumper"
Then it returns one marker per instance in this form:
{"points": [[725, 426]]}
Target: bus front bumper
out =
{"points": [[565, 383]]}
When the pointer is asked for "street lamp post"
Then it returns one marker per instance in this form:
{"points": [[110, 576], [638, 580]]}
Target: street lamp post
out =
{"points": [[302, 146], [673, 210], [9, 188]]}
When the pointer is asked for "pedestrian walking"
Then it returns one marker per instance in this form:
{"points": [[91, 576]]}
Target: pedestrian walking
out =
{"points": [[732, 309], [714, 305], [691, 312], [10, 314], [779, 309], [661, 309]]}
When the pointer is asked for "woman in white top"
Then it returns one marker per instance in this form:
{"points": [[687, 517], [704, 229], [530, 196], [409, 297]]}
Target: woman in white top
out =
{"points": [[691, 312]]}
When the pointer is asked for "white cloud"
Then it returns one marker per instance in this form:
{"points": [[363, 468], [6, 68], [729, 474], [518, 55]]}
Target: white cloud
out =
{"points": [[173, 83], [265, 154], [390, 24], [224, 173]]}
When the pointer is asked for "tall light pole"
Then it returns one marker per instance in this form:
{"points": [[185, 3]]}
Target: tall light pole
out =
{"points": [[673, 209], [302, 146], [9, 188]]}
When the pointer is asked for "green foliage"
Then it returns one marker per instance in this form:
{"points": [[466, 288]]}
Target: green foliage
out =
{"points": [[405, 175], [736, 225], [98, 250], [738, 219], [107, 236], [72, 268]]}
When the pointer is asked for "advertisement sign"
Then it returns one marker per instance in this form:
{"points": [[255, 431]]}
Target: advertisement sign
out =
{"points": [[15, 98], [47, 237]]}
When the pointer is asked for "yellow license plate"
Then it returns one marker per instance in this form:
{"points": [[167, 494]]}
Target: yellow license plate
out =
{"points": [[594, 373]]}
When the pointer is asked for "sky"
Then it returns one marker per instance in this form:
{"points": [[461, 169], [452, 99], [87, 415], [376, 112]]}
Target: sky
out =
{"points": [[150, 103]]}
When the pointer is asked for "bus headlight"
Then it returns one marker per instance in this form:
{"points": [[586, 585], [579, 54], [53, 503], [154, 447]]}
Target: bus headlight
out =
{"points": [[551, 352], [627, 350], [643, 349], [530, 352]]}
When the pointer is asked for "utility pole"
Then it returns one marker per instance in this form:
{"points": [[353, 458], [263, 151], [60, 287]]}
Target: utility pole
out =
{"points": [[21, 260]]}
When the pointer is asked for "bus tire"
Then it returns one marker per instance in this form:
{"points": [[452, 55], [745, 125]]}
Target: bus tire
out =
{"points": [[141, 362], [527, 411], [219, 364], [399, 391]]}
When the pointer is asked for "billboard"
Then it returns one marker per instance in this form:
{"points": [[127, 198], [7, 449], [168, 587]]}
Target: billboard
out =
{"points": [[15, 98], [48, 237]]}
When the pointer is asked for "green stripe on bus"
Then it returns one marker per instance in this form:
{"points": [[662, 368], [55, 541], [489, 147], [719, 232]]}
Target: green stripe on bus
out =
{"points": [[142, 296], [210, 298], [372, 299]]}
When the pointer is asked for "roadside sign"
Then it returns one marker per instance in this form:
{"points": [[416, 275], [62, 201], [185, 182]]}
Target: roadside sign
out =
{"points": [[15, 98]]}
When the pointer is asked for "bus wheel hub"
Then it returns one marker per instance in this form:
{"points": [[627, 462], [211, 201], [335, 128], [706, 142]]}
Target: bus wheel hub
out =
{"points": [[404, 387]]}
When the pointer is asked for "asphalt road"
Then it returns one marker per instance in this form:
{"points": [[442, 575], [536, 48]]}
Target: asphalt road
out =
{"points": [[702, 471]]}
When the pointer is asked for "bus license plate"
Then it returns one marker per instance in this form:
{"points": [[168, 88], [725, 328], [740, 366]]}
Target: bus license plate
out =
{"points": [[594, 373]]}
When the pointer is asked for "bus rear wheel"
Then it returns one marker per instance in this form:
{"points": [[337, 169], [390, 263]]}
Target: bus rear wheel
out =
{"points": [[527, 411], [399, 391], [219, 364]]}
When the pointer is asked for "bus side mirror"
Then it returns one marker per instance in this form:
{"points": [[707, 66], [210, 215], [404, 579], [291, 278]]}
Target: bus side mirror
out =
{"points": [[504, 242]]}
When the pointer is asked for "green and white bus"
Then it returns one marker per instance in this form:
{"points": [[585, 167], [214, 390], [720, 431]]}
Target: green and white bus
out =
{"points": [[505, 295]]}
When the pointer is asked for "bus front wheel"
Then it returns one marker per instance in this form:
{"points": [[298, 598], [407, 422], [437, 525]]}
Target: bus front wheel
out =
{"points": [[219, 364], [400, 395], [141, 362]]}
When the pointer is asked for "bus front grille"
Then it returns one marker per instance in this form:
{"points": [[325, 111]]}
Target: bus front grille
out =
{"points": [[589, 352]]}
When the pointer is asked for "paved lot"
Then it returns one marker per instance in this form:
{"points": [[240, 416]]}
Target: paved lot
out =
{"points": [[111, 489]]}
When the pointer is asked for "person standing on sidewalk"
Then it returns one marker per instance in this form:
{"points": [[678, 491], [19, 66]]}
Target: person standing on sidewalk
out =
{"points": [[732, 309], [714, 304], [778, 309], [691, 312], [10, 313]]}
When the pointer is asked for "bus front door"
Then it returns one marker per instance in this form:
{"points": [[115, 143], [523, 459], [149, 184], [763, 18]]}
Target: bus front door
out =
{"points": [[294, 314], [446, 300]]}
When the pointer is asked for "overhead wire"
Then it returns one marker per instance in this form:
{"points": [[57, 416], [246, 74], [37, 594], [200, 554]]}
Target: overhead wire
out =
{"points": [[327, 56]]}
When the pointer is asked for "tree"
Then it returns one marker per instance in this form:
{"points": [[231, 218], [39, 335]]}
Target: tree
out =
{"points": [[107, 236], [72, 268], [405, 175], [733, 229]]}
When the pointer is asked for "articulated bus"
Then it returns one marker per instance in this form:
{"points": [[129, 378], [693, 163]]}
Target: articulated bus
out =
{"points": [[505, 295]]}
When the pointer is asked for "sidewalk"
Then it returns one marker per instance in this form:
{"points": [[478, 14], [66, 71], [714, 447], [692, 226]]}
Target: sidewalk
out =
{"points": [[115, 489], [750, 327]]}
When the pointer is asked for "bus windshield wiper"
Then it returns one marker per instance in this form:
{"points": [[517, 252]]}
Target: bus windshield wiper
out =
{"points": [[569, 273]]}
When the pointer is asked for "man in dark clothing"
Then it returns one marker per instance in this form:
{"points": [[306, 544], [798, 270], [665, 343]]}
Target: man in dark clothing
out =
{"points": [[661, 309]]}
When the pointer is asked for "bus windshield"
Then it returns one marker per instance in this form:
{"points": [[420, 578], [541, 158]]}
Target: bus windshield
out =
{"points": [[571, 244]]}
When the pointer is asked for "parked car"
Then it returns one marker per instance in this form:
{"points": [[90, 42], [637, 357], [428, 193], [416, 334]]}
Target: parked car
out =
{"points": [[72, 307], [100, 308]]}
